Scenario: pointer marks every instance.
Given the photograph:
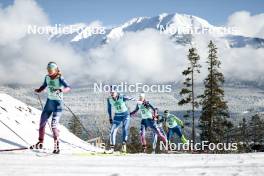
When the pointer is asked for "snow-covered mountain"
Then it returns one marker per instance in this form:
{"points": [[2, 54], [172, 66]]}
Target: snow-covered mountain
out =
{"points": [[19, 128], [177, 26]]}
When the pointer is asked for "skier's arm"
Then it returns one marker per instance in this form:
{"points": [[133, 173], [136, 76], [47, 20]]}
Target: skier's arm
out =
{"points": [[109, 108], [126, 98], [162, 119], [148, 105], [65, 85], [179, 121], [153, 109], [42, 87], [135, 111]]}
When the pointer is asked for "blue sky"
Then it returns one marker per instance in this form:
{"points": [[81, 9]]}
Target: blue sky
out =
{"points": [[112, 12]]}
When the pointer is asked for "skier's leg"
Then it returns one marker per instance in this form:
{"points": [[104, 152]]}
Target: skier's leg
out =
{"points": [[57, 112], [126, 122], [169, 134], [155, 137], [142, 133], [114, 128], [43, 121], [162, 131], [155, 140], [179, 133], [158, 132], [54, 124]]}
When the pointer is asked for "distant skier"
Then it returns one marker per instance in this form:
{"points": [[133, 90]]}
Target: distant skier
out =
{"points": [[56, 86], [147, 111], [159, 121], [121, 116], [174, 125]]}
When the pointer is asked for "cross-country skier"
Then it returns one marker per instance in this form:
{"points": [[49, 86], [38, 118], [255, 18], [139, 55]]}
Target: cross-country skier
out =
{"points": [[147, 111], [174, 125], [159, 120], [121, 116], [56, 86]]}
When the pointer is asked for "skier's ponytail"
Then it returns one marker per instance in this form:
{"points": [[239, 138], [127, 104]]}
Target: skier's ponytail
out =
{"points": [[59, 72]]}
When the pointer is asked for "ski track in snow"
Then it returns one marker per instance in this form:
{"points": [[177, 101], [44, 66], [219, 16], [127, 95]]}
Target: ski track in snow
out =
{"points": [[27, 163]]}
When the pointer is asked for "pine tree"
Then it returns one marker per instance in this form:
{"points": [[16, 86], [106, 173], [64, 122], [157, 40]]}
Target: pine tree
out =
{"points": [[243, 131], [213, 120], [188, 92], [75, 126], [256, 125], [134, 145]]}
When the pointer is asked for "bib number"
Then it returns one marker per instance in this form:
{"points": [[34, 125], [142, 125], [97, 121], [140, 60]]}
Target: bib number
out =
{"points": [[118, 106]]}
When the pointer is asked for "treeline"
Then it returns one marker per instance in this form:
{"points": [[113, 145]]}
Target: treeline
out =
{"points": [[248, 134], [213, 121]]}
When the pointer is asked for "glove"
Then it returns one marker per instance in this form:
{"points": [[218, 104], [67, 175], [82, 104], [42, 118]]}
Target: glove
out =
{"points": [[58, 91], [182, 126], [132, 114], [37, 90], [111, 121]]}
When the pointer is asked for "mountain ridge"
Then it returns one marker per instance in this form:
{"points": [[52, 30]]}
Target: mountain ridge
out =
{"points": [[169, 24]]}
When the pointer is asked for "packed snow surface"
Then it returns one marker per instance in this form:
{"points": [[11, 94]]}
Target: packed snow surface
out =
{"points": [[27, 163]]}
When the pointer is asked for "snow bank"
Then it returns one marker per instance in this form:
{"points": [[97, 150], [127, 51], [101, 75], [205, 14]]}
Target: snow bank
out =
{"points": [[19, 128]]}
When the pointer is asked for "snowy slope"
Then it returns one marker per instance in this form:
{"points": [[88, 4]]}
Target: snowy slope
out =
{"points": [[19, 128], [137, 164], [85, 40]]}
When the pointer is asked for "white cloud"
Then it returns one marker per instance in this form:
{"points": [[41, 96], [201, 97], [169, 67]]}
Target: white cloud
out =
{"points": [[15, 19], [247, 24], [23, 57], [138, 56]]}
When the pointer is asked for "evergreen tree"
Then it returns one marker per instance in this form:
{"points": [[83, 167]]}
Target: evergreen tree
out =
{"points": [[213, 120], [188, 92], [134, 145], [256, 127], [243, 131], [75, 126]]}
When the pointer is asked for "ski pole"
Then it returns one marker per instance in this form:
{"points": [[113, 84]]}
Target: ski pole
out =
{"points": [[14, 132], [41, 104], [73, 114]]}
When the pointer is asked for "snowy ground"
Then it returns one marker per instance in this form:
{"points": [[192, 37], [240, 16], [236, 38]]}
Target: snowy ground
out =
{"points": [[19, 118], [27, 163], [19, 125]]}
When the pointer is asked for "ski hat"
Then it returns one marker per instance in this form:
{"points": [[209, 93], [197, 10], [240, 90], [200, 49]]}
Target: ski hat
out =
{"points": [[166, 112], [52, 65], [142, 95], [113, 89]]}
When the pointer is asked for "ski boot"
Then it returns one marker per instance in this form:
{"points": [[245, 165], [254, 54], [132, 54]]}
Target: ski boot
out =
{"points": [[184, 140], [144, 149], [124, 147], [38, 145], [56, 147], [111, 150]]}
